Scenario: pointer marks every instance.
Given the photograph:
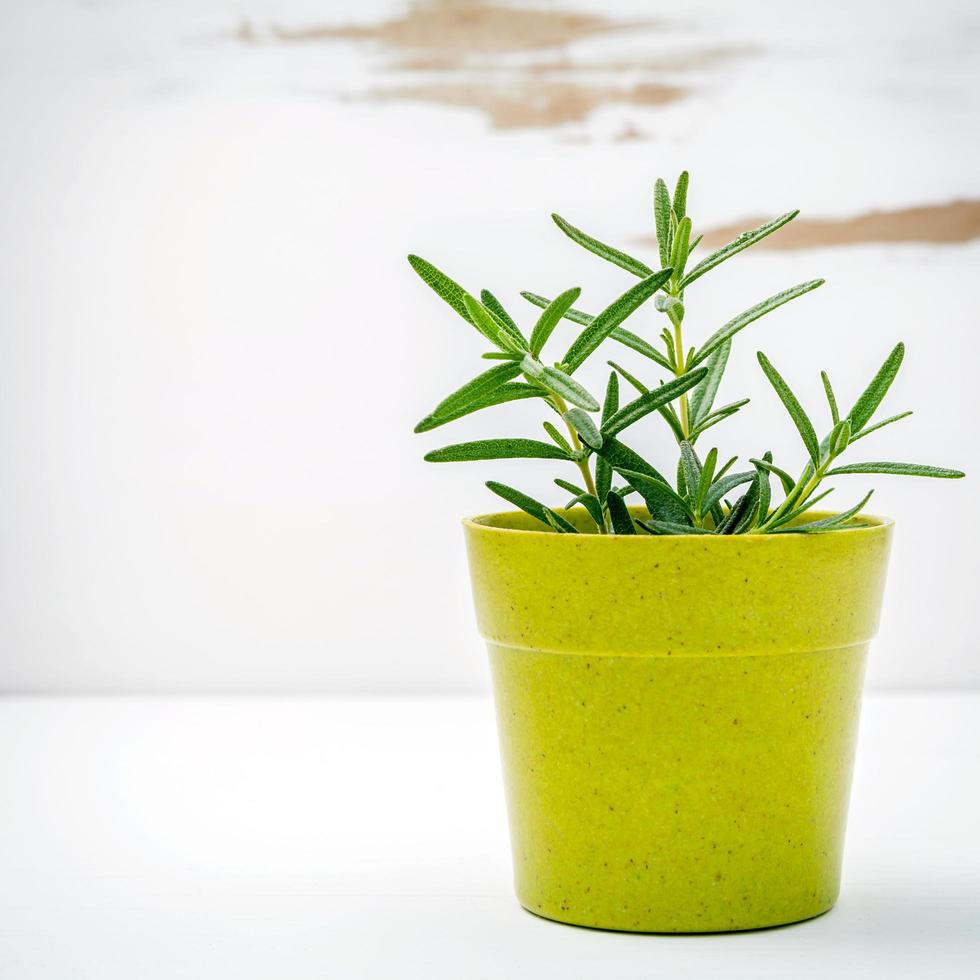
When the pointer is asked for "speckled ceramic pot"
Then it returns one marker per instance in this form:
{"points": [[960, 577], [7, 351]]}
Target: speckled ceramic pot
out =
{"points": [[677, 717]]}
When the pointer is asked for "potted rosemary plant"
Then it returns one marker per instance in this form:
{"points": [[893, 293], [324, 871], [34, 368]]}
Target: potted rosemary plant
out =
{"points": [[677, 657]]}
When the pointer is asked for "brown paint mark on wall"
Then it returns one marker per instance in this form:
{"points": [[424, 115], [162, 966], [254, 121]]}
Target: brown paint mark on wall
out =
{"points": [[956, 222], [687, 61], [532, 104], [680, 61], [456, 27], [508, 62]]}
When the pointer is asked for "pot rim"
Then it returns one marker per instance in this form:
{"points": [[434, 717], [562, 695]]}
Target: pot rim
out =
{"points": [[484, 523]]}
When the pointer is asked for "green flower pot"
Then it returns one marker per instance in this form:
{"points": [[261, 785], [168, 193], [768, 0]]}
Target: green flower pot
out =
{"points": [[677, 717]]}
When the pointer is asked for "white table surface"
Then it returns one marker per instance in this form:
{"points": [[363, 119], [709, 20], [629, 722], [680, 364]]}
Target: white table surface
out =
{"points": [[294, 838]]}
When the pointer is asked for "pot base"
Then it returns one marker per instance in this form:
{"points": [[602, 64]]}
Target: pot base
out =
{"points": [[672, 930]]}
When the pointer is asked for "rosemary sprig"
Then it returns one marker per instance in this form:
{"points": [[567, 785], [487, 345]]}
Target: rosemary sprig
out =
{"points": [[698, 500]]}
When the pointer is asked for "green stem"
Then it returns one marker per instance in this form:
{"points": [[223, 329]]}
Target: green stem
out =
{"points": [[582, 464], [798, 494], [684, 412]]}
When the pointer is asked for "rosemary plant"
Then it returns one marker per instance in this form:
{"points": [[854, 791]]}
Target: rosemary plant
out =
{"points": [[702, 498]]}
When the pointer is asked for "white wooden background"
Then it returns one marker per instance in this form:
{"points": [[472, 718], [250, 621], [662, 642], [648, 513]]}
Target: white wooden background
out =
{"points": [[213, 352]]}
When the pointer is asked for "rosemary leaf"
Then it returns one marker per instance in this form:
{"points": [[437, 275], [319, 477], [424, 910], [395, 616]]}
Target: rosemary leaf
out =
{"points": [[750, 315], [651, 401], [513, 391], [899, 469], [531, 506], [744, 241], [548, 320], [604, 251], [872, 396], [831, 400], [704, 395], [464, 452], [661, 217], [585, 427], [611, 317], [795, 409], [619, 515]]}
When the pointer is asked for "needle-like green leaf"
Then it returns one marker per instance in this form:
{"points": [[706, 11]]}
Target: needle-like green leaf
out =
{"points": [[763, 487], [801, 509], [668, 414], [668, 527], [497, 309], [473, 390], [585, 427], [680, 482], [827, 523], [879, 425], [831, 400], [749, 316], [554, 522], [651, 401], [703, 396], [452, 293], [872, 396], [723, 485], [671, 353], [557, 438], [729, 408], [531, 506], [620, 334], [705, 480], [718, 415], [503, 355], [495, 449], [680, 195], [591, 504], [663, 502], [627, 339], [748, 520], [619, 515], [740, 516], [513, 391], [624, 491], [575, 316], [692, 471], [800, 419], [840, 436], [506, 336], [610, 404], [569, 389], [603, 471], [548, 320], [726, 468], [899, 469], [630, 378], [611, 317], [744, 241], [623, 459], [784, 478], [573, 489], [678, 253], [444, 287], [603, 250], [661, 217]]}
